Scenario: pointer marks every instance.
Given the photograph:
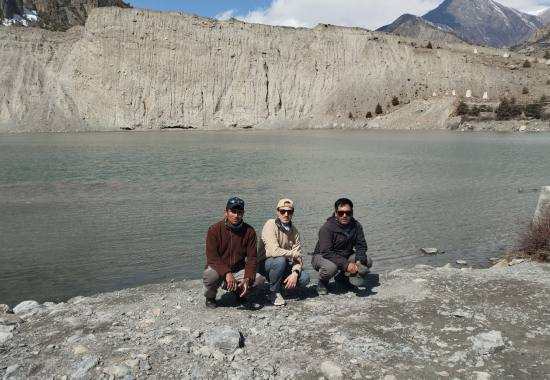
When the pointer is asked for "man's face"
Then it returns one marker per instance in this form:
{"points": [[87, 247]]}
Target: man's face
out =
{"points": [[234, 215], [285, 214], [344, 214]]}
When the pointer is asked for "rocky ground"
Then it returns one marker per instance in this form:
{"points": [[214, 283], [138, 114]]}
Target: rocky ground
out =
{"points": [[420, 323]]}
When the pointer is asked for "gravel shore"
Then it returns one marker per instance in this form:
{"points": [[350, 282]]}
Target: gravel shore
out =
{"points": [[419, 323]]}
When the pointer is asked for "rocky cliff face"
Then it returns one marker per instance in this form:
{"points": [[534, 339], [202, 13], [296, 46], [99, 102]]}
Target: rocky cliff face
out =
{"points": [[416, 27], [132, 68], [53, 14], [485, 22]]}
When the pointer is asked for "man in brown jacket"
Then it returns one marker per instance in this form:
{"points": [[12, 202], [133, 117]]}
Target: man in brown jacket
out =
{"points": [[231, 255]]}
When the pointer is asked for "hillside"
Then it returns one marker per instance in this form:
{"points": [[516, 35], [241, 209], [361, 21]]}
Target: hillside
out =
{"points": [[56, 15], [138, 69], [416, 27]]}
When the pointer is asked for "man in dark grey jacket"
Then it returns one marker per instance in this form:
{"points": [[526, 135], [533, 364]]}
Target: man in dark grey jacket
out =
{"points": [[341, 247]]}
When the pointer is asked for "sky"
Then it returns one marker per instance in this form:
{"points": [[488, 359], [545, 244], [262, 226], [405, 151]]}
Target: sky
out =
{"points": [[370, 14]]}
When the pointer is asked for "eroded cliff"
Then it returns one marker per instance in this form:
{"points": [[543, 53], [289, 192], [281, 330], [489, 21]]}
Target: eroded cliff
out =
{"points": [[132, 68]]}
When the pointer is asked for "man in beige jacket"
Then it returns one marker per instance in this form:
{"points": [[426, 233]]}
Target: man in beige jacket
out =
{"points": [[280, 253]]}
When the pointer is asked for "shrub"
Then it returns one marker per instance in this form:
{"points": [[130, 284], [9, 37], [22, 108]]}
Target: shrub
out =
{"points": [[546, 54], [534, 240], [504, 110], [395, 101], [378, 110], [350, 115], [474, 111], [462, 109], [526, 63], [524, 90], [369, 115], [429, 45], [533, 110]]}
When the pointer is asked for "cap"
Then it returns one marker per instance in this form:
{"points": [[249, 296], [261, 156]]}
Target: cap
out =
{"points": [[234, 202], [285, 203]]}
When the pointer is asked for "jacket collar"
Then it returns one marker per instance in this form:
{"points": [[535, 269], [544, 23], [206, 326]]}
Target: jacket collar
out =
{"points": [[280, 225]]}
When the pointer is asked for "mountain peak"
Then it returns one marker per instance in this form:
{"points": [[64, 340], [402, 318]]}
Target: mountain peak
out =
{"points": [[485, 22]]}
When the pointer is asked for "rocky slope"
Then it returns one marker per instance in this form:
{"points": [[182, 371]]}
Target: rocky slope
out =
{"points": [[138, 69], [421, 323], [416, 27], [57, 15], [479, 22], [537, 44]]}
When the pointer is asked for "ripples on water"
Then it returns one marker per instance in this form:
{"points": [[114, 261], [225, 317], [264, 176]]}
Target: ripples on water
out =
{"points": [[83, 213]]}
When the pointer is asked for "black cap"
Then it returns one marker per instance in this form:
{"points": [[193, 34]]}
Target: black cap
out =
{"points": [[234, 202]]}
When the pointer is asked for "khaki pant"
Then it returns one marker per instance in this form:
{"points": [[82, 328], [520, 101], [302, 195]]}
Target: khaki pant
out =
{"points": [[212, 281]]}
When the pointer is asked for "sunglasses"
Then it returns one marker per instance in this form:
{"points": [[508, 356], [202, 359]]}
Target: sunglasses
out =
{"points": [[346, 213], [284, 212]]}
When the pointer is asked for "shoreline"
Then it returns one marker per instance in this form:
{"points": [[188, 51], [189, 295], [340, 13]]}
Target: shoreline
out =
{"points": [[422, 322]]}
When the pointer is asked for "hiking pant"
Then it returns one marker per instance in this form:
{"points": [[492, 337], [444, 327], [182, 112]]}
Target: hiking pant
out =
{"points": [[327, 269], [276, 269], [212, 281]]}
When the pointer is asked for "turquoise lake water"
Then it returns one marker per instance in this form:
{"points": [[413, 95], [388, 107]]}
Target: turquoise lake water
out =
{"points": [[91, 212]]}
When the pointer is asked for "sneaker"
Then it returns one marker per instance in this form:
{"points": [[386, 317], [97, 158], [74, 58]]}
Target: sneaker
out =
{"points": [[210, 303], [322, 288], [344, 281], [277, 299]]}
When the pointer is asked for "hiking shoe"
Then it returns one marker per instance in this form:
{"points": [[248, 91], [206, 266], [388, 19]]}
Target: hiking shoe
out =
{"points": [[322, 288], [210, 303], [277, 299]]}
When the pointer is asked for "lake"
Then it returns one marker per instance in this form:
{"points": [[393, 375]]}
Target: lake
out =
{"points": [[92, 212]]}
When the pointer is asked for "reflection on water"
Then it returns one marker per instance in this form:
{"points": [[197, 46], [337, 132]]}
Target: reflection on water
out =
{"points": [[83, 213]]}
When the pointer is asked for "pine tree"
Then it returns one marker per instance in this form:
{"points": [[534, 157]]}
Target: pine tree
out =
{"points": [[378, 110]]}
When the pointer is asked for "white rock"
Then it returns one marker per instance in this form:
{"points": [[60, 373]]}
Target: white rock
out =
{"points": [[482, 375], [522, 128], [5, 336], [224, 338], [86, 364], [80, 349], [25, 307], [487, 343], [461, 262], [10, 371], [331, 370], [429, 251], [117, 370]]}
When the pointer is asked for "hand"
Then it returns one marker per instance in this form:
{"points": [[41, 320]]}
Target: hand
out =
{"points": [[352, 268], [244, 287], [290, 281], [231, 282]]}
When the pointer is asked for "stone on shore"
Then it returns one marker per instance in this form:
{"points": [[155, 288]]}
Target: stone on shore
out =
{"points": [[225, 339], [26, 307], [487, 343], [86, 364], [4, 309], [429, 251], [331, 370]]}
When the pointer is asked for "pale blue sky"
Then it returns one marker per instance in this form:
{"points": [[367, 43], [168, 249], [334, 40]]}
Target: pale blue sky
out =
{"points": [[369, 14]]}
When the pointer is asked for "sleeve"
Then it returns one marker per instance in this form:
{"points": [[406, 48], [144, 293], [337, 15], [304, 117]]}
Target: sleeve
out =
{"points": [[251, 259], [269, 237], [297, 247], [213, 257], [327, 251], [361, 245], [297, 264]]}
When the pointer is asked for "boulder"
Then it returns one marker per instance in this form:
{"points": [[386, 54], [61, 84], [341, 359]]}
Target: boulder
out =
{"points": [[26, 307], [331, 371], [429, 251], [82, 367], [225, 339], [4, 309], [487, 343]]}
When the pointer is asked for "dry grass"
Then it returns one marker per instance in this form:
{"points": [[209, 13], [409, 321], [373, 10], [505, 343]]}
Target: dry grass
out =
{"points": [[534, 240]]}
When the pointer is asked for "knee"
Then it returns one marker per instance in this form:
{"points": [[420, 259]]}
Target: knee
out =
{"points": [[303, 280], [277, 264], [210, 277], [327, 270], [259, 281]]}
